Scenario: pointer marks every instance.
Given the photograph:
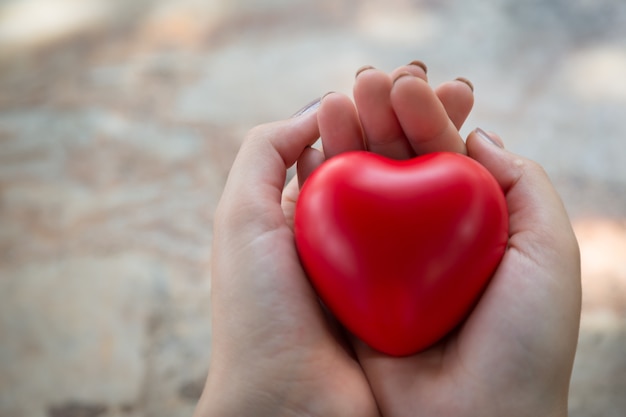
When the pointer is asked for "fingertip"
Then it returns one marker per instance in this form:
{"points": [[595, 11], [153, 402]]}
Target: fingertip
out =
{"points": [[534, 203], [339, 125], [458, 99], [423, 117], [466, 82], [487, 149], [257, 176], [491, 138], [381, 130], [415, 68], [287, 138], [420, 64], [370, 80], [363, 69], [309, 108], [402, 75], [480, 143]]}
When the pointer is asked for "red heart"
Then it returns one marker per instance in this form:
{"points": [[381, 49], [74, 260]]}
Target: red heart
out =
{"points": [[400, 251]]}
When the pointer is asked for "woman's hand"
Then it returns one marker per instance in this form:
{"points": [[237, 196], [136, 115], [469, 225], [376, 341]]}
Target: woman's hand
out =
{"points": [[274, 350], [513, 356]]}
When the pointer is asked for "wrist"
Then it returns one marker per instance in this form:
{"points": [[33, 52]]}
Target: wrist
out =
{"points": [[224, 397], [265, 396], [271, 395]]}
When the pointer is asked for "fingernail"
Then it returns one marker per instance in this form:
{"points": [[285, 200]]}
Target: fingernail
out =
{"points": [[484, 136], [312, 106], [466, 81], [420, 64], [362, 69], [402, 75]]}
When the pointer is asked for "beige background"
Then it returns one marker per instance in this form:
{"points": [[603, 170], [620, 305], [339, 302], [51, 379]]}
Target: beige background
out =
{"points": [[119, 120]]}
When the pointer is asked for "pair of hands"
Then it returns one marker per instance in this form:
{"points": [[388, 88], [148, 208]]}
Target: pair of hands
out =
{"points": [[276, 352]]}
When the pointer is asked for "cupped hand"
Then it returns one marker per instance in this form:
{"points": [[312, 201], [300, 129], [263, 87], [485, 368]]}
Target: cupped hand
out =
{"points": [[274, 351], [513, 356]]}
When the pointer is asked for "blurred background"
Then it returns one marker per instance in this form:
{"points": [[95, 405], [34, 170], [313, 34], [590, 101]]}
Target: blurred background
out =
{"points": [[119, 121]]}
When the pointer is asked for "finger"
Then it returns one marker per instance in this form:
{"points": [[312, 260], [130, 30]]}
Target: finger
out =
{"points": [[257, 177], [415, 68], [382, 130], [288, 203], [531, 197], [339, 125], [457, 98], [423, 117], [538, 219], [307, 163]]}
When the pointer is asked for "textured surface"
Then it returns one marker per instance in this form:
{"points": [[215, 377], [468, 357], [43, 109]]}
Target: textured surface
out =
{"points": [[118, 125]]}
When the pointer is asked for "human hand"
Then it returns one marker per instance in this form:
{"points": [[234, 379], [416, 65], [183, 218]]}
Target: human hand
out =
{"points": [[274, 352], [274, 349], [514, 354]]}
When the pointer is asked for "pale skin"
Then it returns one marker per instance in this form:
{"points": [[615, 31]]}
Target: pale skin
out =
{"points": [[276, 352]]}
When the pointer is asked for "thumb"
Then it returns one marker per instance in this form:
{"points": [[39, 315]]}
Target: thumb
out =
{"points": [[538, 218], [543, 255], [254, 188]]}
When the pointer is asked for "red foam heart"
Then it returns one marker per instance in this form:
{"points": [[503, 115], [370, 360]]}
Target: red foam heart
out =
{"points": [[400, 251]]}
